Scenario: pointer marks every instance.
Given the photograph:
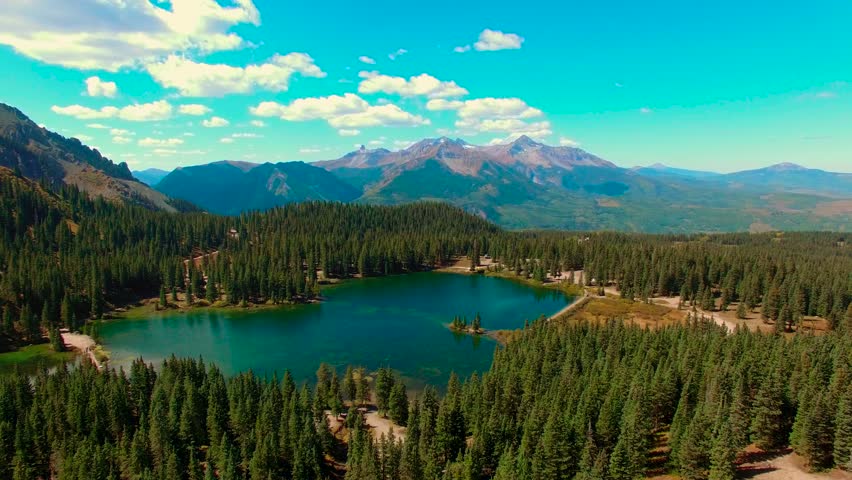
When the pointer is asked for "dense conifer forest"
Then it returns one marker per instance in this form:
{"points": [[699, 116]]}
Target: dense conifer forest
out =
{"points": [[560, 401], [575, 401]]}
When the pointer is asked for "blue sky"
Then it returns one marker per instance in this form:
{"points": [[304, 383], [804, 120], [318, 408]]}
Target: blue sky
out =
{"points": [[720, 85]]}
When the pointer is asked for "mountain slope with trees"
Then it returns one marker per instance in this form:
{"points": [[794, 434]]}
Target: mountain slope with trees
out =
{"points": [[46, 156], [229, 188]]}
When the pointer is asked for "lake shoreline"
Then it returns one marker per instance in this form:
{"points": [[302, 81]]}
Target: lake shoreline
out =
{"points": [[398, 320]]}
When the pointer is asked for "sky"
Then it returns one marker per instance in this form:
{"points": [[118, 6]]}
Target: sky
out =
{"points": [[722, 86]]}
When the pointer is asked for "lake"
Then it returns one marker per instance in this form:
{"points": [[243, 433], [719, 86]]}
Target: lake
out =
{"points": [[397, 321]]}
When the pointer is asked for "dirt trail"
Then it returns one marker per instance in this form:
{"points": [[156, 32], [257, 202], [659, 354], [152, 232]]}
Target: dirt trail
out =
{"points": [[378, 426], [572, 306], [84, 343], [673, 302], [788, 467]]}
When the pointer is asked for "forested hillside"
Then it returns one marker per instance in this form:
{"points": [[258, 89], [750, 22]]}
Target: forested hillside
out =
{"points": [[580, 401], [65, 257], [604, 401]]}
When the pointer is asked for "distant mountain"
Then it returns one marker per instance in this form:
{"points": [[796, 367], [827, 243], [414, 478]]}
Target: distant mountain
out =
{"points": [[526, 184], [659, 170], [230, 188], [40, 154], [150, 176], [793, 178]]}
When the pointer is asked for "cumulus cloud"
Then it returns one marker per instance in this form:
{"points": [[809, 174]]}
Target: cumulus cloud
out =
{"points": [[348, 111], [645, 110], [366, 59], [246, 135], [226, 140], [142, 112], [82, 137], [111, 34], [423, 84], [194, 109], [400, 52], [567, 142], [309, 150], [258, 123], [121, 140], [494, 115], [98, 126], [95, 87], [120, 132], [159, 142], [486, 107], [347, 132], [215, 122], [492, 40], [194, 79]]}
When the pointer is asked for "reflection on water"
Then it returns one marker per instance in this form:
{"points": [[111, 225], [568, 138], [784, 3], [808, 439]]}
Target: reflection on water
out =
{"points": [[400, 321]]}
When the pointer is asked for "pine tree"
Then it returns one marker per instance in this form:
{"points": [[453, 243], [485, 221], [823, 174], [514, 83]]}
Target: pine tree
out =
{"points": [[768, 425], [349, 385], [476, 326], [398, 404], [742, 311], [723, 454], [163, 302], [818, 435], [384, 385], [843, 431]]}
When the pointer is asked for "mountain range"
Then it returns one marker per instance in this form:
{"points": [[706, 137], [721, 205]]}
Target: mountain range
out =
{"points": [[527, 184], [40, 154], [520, 184]]}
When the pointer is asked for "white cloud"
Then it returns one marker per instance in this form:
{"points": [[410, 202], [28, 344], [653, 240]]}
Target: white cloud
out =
{"points": [[143, 112], [567, 142], [402, 144], [348, 111], [98, 126], [194, 109], [120, 132], [422, 84], [95, 87], [226, 140], [490, 40], [188, 134], [366, 59], [309, 150], [462, 49], [246, 135], [195, 79], [157, 142], [375, 143], [645, 110], [400, 52], [258, 123], [346, 132], [375, 116], [121, 140], [486, 107], [82, 137], [493, 115], [215, 122], [110, 34]]}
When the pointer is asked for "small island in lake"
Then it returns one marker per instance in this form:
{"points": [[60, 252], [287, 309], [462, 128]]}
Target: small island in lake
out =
{"points": [[473, 328]]}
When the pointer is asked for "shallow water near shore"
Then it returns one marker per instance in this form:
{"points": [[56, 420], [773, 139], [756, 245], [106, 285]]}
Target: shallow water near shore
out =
{"points": [[397, 321]]}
